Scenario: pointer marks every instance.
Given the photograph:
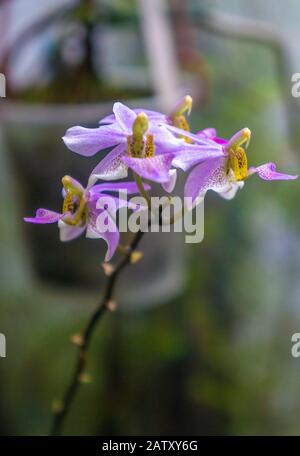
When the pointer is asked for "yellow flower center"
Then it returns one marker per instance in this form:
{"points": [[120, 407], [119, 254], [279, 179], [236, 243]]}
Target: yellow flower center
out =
{"points": [[238, 162], [237, 158], [74, 203], [140, 144]]}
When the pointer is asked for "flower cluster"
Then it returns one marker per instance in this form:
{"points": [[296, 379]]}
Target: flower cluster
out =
{"points": [[153, 146]]}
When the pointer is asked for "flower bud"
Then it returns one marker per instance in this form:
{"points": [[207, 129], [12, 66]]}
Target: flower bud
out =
{"points": [[182, 106]]}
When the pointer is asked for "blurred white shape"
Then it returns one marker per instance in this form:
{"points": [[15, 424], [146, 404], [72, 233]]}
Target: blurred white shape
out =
{"points": [[2, 86], [2, 346], [160, 51]]}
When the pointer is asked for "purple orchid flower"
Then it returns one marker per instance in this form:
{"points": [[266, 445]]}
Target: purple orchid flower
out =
{"points": [[226, 173], [82, 208], [176, 117], [139, 140]]}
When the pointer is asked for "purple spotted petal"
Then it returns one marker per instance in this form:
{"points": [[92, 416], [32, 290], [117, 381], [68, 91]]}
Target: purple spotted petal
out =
{"points": [[89, 141], [110, 168], [43, 216], [155, 168], [208, 175], [124, 117], [268, 172]]}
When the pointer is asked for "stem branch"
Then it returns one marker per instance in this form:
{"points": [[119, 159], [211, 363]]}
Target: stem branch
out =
{"points": [[142, 190], [63, 408]]}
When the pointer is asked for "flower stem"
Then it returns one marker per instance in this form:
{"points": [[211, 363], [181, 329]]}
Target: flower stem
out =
{"points": [[141, 188], [63, 408]]}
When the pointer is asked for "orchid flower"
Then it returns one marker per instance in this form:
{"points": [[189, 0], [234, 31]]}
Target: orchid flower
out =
{"points": [[224, 174], [82, 208], [140, 141], [177, 116]]}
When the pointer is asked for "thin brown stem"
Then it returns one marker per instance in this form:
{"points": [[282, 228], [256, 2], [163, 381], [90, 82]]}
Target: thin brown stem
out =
{"points": [[142, 190], [62, 409]]}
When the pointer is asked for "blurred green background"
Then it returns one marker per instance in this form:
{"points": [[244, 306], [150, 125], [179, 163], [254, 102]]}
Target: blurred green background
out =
{"points": [[202, 344]]}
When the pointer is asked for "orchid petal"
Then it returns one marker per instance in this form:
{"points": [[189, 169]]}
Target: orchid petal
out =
{"points": [[164, 141], [196, 154], [153, 116], [129, 187], [89, 141], [198, 139], [230, 192], [109, 119], [120, 203], [110, 168], [268, 172], [95, 230], [44, 216], [212, 134], [68, 232], [208, 175], [169, 186], [124, 116], [155, 168], [209, 132]]}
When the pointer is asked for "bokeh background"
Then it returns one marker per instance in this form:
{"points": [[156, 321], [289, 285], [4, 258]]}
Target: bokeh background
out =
{"points": [[201, 343]]}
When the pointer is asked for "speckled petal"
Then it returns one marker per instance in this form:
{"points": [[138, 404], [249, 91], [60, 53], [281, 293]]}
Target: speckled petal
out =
{"points": [[110, 168], [44, 216], [210, 175], [155, 168], [268, 172]]}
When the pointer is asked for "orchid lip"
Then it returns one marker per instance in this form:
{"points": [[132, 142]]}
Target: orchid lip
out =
{"points": [[74, 205]]}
